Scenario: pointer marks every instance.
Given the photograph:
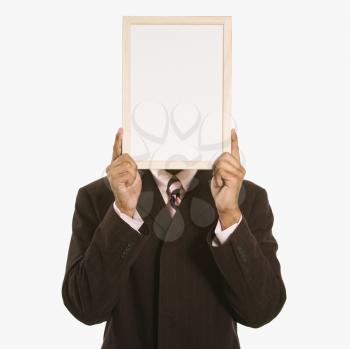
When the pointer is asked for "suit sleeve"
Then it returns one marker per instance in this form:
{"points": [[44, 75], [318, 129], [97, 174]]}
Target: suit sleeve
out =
{"points": [[251, 275], [99, 256]]}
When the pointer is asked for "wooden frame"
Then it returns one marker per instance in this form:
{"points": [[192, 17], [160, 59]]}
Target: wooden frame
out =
{"points": [[128, 22]]}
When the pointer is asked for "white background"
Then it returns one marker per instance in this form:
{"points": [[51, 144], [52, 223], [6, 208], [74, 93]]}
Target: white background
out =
{"points": [[60, 105]]}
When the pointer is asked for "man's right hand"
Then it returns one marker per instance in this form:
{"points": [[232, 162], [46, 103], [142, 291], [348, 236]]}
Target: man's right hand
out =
{"points": [[124, 178]]}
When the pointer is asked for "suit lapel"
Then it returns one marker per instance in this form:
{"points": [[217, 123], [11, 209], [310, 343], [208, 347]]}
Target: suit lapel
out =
{"points": [[199, 208], [151, 205]]}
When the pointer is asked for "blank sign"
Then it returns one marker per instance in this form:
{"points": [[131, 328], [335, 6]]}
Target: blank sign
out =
{"points": [[176, 90]]}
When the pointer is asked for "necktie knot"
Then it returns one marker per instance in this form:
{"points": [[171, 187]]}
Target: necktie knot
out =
{"points": [[174, 192]]}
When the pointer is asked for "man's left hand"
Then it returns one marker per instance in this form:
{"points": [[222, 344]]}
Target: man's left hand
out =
{"points": [[228, 175]]}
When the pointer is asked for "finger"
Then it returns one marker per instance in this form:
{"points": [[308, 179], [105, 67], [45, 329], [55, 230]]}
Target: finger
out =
{"points": [[124, 159], [234, 145], [227, 174], [218, 180], [117, 171], [227, 161], [229, 168], [121, 168], [126, 177], [122, 165], [227, 158], [117, 147]]}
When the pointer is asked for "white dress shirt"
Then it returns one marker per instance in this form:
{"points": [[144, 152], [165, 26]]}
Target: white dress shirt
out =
{"points": [[161, 178]]}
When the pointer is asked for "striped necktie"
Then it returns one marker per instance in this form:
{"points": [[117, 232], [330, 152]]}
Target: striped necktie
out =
{"points": [[175, 193]]}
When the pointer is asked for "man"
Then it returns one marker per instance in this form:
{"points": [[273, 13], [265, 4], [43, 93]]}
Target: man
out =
{"points": [[173, 259]]}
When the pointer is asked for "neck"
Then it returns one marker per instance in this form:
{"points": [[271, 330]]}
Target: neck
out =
{"points": [[173, 172]]}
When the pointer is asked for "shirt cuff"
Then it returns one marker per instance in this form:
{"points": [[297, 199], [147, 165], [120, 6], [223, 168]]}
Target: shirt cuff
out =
{"points": [[222, 235], [135, 222]]}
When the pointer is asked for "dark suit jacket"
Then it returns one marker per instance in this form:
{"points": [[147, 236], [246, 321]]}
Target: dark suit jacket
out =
{"points": [[169, 288]]}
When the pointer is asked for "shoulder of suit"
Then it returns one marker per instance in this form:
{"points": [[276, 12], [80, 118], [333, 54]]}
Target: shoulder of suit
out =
{"points": [[98, 187], [101, 185], [253, 187]]}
